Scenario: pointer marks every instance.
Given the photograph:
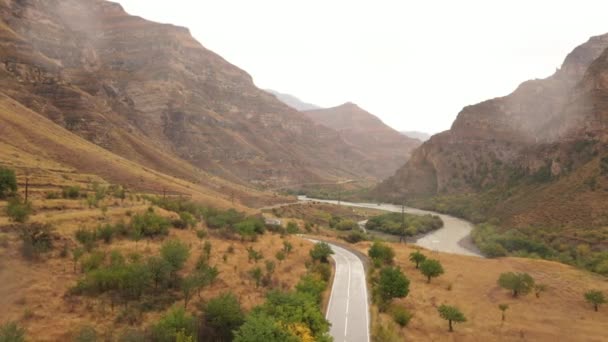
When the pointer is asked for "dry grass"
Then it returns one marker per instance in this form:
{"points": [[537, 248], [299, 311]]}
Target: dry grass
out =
{"points": [[560, 314], [34, 293]]}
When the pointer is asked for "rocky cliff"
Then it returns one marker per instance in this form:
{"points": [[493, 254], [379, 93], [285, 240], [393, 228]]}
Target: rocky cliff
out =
{"points": [[533, 157], [145, 90]]}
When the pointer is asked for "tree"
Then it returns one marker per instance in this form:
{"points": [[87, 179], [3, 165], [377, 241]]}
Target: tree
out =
{"points": [[518, 283], [320, 252], [221, 316], [451, 314], [431, 268], [503, 308], [176, 320], [11, 332], [381, 253], [280, 256], [160, 270], [539, 288], [207, 250], [261, 327], [256, 274], [76, 255], [205, 276], [312, 285], [595, 298], [292, 228], [392, 284], [8, 183], [287, 247], [188, 285], [175, 253], [417, 257]]}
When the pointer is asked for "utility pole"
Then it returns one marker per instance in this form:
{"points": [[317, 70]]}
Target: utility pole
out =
{"points": [[27, 184]]}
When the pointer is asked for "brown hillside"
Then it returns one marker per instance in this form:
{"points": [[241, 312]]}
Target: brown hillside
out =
{"points": [[53, 156], [368, 134], [149, 91]]}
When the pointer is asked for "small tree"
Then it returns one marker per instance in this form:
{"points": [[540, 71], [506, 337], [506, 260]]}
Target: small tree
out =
{"points": [[256, 274], [451, 314], [188, 285], [207, 250], [221, 316], [280, 256], [287, 247], [160, 270], [381, 254], [8, 183], [518, 283], [417, 257], [320, 252], [175, 253], [431, 268], [503, 308], [254, 255], [392, 283], [17, 211], [595, 298]]}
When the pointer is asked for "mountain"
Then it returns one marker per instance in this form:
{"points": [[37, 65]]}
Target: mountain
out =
{"points": [[365, 132], [293, 101], [417, 135], [535, 158], [152, 94]]}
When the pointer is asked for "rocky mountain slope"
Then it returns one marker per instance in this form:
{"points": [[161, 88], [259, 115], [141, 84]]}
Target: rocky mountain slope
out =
{"points": [[293, 101], [388, 148], [152, 94], [536, 157]]}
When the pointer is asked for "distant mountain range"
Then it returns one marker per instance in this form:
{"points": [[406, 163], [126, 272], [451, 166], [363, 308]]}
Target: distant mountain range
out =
{"points": [[367, 133], [293, 101], [417, 135]]}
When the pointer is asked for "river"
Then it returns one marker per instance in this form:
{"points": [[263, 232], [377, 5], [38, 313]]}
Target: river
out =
{"points": [[454, 237]]}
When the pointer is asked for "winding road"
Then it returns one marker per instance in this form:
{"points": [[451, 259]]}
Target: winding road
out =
{"points": [[348, 309]]}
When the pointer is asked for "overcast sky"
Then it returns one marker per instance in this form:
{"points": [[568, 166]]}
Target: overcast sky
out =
{"points": [[414, 64]]}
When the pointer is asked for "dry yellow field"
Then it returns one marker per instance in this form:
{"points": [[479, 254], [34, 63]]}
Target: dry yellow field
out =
{"points": [[470, 283]]}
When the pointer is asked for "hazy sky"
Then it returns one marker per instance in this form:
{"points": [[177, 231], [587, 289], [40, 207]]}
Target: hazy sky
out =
{"points": [[414, 64]]}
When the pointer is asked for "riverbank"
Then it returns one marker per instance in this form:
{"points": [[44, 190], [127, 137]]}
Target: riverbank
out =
{"points": [[454, 237]]}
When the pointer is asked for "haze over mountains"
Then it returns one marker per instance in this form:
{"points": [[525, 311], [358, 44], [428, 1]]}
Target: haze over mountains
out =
{"points": [[293, 101], [535, 157], [368, 134], [152, 94]]}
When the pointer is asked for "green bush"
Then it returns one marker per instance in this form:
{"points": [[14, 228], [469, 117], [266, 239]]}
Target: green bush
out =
{"points": [[170, 324], [391, 223], [518, 283], [175, 253], [17, 211], [354, 237], [86, 334], [313, 286], [36, 239], [11, 332], [400, 315], [71, 192], [347, 225], [8, 183], [150, 224], [292, 228], [381, 253], [221, 316], [392, 283], [321, 251]]}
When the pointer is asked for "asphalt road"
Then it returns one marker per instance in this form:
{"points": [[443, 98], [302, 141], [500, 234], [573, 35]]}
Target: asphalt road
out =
{"points": [[348, 309], [454, 237]]}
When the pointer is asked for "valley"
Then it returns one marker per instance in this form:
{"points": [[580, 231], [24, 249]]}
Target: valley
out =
{"points": [[151, 190]]}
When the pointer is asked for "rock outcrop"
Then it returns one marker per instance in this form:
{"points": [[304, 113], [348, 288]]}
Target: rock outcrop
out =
{"points": [[514, 156], [143, 90]]}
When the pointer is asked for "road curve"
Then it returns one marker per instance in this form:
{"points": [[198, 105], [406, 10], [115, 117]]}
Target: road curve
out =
{"points": [[454, 237], [348, 309]]}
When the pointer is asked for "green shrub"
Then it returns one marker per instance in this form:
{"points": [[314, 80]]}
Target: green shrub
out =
{"points": [[170, 324], [36, 239], [86, 334], [292, 228], [354, 237], [381, 253], [312, 286], [175, 253], [221, 316], [400, 315], [8, 183], [391, 223], [150, 224], [347, 225], [11, 332], [320, 252], [17, 211], [71, 192]]}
